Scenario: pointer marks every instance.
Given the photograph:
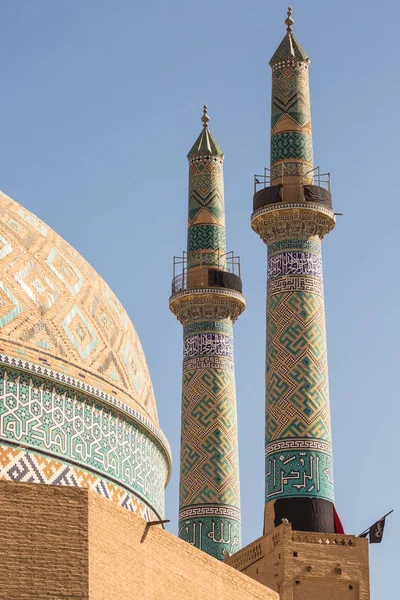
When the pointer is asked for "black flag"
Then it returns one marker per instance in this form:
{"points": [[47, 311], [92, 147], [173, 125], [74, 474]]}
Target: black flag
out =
{"points": [[376, 532]]}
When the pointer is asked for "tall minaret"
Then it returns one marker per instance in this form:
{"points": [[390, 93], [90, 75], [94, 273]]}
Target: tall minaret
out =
{"points": [[206, 298], [292, 213]]}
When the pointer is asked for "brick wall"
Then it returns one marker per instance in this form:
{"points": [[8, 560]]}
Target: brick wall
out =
{"points": [[62, 543], [161, 567], [43, 542], [308, 566]]}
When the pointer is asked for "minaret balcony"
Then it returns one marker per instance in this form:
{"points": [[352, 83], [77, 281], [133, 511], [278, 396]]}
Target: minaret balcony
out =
{"points": [[206, 270], [311, 187], [206, 284], [298, 206]]}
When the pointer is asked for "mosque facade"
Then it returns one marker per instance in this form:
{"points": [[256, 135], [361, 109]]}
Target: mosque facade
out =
{"points": [[83, 460]]}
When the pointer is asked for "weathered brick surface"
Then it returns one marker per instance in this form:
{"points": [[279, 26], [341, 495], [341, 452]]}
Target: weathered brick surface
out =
{"points": [[123, 565], [308, 566], [61, 543], [43, 542]]}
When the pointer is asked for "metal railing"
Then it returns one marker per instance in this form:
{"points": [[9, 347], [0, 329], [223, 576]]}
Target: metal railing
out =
{"points": [[204, 261], [320, 179], [317, 178], [262, 181]]}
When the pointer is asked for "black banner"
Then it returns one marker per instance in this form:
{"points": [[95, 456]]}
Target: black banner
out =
{"points": [[376, 532], [306, 514]]}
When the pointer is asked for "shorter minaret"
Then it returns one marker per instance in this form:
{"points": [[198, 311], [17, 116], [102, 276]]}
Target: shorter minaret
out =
{"points": [[207, 299]]}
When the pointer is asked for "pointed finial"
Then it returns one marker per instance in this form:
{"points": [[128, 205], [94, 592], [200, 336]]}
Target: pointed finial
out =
{"points": [[289, 21], [205, 118]]}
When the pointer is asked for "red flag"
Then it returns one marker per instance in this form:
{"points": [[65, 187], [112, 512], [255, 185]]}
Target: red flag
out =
{"points": [[338, 522]]}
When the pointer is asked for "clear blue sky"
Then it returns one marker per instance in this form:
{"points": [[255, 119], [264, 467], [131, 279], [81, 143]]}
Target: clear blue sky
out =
{"points": [[100, 102]]}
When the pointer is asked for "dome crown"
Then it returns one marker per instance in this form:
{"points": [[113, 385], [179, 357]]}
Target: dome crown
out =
{"points": [[56, 311]]}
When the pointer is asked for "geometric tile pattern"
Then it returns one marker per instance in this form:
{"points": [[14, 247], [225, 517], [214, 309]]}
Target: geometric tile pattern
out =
{"points": [[53, 305], [206, 191], [291, 144], [291, 141], [206, 237], [212, 202], [79, 331], [206, 211], [291, 95], [211, 455], [297, 394], [209, 471], [64, 377], [40, 289], [66, 425], [65, 270], [9, 306], [297, 385], [30, 467]]}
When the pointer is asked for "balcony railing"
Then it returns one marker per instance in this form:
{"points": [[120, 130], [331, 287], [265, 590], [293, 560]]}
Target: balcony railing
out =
{"points": [[206, 270], [310, 177]]}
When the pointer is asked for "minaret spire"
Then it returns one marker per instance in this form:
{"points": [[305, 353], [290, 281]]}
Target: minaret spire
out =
{"points": [[292, 213], [206, 298], [205, 118], [289, 21]]}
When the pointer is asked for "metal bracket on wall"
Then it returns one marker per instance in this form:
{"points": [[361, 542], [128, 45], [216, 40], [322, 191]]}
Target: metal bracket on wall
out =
{"points": [[149, 524]]}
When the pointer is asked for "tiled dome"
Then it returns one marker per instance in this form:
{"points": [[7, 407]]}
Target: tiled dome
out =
{"points": [[60, 321]]}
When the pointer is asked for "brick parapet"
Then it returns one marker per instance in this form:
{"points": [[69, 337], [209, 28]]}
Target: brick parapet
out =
{"points": [[59, 543], [303, 565]]}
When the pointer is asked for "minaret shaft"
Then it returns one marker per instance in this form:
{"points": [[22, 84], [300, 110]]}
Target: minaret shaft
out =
{"points": [[298, 449], [207, 303], [298, 434], [209, 493]]}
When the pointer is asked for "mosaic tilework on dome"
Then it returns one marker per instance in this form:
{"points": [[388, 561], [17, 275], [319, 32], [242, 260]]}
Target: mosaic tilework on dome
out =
{"points": [[298, 437], [56, 310], [30, 467], [83, 434]]}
